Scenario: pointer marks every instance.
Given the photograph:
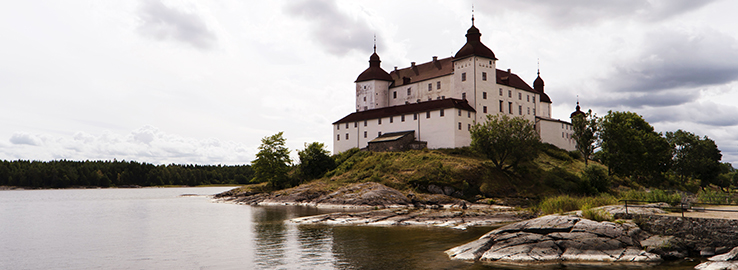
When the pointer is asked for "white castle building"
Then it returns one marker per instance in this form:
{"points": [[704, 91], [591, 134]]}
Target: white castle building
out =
{"points": [[437, 102]]}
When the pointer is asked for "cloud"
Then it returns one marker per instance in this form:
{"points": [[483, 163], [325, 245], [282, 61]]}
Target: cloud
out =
{"points": [[335, 31], [146, 144], [567, 13], [161, 22], [672, 68], [25, 138]]}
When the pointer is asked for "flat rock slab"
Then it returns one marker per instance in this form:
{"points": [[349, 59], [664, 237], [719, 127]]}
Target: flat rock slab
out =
{"points": [[727, 261], [556, 238], [453, 218]]}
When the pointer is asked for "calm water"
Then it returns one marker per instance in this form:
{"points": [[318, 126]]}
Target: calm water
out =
{"points": [[156, 228]]}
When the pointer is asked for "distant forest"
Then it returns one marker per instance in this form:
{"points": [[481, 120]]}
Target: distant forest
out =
{"points": [[65, 174]]}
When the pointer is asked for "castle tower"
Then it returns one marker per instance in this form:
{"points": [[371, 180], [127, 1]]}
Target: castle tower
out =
{"points": [[372, 85], [475, 73]]}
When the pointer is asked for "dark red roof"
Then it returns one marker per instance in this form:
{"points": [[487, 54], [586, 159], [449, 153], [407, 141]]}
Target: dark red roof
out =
{"points": [[374, 72], [407, 109], [425, 71], [577, 112], [538, 87], [474, 45]]}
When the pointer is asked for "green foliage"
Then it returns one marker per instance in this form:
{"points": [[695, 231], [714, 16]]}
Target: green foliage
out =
{"points": [[507, 141], [654, 195], [596, 214], [64, 174], [576, 155], [272, 162], [631, 147], [315, 160], [556, 152], [566, 203], [711, 196], [695, 158], [586, 134], [565, 181], [597, 178]]}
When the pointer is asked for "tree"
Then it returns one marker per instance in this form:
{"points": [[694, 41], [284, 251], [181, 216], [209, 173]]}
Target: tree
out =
{"points": [[632, 148], [505, 140], [272, 162], [586, 129], [315, 160], [693, 157]]}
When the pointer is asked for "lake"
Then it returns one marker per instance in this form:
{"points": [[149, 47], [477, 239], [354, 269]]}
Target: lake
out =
{"points": [[157, 228]]}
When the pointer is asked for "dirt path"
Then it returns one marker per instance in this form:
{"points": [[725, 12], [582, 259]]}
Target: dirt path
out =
{"points": [[722, 213]]}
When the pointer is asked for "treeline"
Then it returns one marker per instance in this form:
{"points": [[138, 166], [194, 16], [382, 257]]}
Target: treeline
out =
{"points": [[64, 174]]}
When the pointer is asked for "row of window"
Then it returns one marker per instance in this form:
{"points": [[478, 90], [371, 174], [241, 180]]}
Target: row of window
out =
{"points": [[338, 137], [442, 113], [463, 77]]}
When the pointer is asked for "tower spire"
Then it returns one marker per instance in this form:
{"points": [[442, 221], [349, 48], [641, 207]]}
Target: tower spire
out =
{"points": [[375, 43], [472, 14], [539, 67]]}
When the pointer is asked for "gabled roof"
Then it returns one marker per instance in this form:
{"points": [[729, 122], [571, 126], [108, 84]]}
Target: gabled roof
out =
{"points": [[407, 109], [392, 136], [425, 71]]}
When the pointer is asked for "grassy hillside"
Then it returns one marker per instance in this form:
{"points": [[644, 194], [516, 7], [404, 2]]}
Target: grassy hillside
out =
{"points": [[462, 173]]}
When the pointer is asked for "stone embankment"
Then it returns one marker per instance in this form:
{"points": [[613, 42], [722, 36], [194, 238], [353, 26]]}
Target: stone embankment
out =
{"points": [[700, 236], [727, 261], [558, 239]]}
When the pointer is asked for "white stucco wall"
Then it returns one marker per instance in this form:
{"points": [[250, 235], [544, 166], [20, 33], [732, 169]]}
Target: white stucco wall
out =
{"points": [[556, 132]]}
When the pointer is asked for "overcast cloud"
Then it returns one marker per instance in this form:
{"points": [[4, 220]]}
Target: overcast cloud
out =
{"points": [[103, 80], [161, 22]]}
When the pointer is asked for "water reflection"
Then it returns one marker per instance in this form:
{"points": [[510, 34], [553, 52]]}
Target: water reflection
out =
{"points": [[270, 237]]}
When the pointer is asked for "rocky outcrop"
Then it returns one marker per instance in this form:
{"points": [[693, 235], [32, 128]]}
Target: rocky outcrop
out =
{"points": [[453, 217], [727, 261], [556, 238], [703, 236]]}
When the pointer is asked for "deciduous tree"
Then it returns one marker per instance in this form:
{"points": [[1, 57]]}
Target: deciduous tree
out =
{"points": [[272, 162], [586, 134], [315, 160], [505, 140]]}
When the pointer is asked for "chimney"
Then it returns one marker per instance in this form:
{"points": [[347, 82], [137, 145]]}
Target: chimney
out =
{"points": [[509, 73], [435, 58], [412, 64]]}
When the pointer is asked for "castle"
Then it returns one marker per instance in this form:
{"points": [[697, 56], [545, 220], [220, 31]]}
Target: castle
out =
{"points": [[435, 104]]}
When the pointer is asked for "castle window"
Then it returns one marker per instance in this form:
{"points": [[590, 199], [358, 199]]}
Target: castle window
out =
{"points": [[527, 97], [346, 136], [392, 119], [500, 91], [468, 114], [459, 125], [364, 134], [484, 76], [379, 121], [379, 134], [520, 110], [338, 127], [490, 62], [468, 127], [402, 118], [409, 91], [534, 111], [484, 109], [347, 125], [442, 113], [338, 137], [356, 124], [463, 95], [364, 122], [394, 94], [364, 99], [430, 86], [528, 110], [438, 85], [500, 105], [463, 76], [459, 112], [509, 93], [427, 114], [520, 96], [415, 116], [484, 95], [509, 107]]}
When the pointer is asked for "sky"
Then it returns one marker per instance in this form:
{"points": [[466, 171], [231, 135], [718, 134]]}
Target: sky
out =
{"points": [[202, 82]]}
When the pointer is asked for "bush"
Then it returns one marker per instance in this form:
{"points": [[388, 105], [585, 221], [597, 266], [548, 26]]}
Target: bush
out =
{"points": [[710, 196], [653, 196], [598, 215], [575, 154], [596, 178], [566, 203]]}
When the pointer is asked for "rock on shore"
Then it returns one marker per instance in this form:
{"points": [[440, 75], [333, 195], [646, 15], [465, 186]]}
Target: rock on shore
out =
{"points": [[555, 239], [727, 261]]}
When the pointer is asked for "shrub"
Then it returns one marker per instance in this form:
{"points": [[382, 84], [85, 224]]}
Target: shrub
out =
{"points": [[596, 177], [566, 203], [655, 195], [714, 197], [575, 154], [598, 215]]}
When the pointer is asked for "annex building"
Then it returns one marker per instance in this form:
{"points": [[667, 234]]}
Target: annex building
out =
{"points": [[435, 104]]}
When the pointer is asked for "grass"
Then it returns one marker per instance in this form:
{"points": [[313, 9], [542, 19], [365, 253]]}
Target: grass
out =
{"points": [[654, 195], [566, 203]]}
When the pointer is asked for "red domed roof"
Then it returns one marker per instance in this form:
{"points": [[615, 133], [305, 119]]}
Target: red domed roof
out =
{"points": [[474, 45], [374, 72]]}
